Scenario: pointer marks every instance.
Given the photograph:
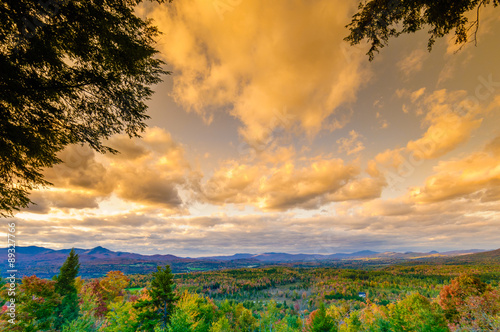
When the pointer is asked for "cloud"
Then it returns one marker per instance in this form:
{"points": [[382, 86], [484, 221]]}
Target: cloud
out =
{"points": [[256, 58], [415, 95], [155, 177], [44, 200], [413, 63], [230, 184], [448, 122], [390, 158], [382, 226], [80, 171], [288, 185], [388, 207], [478, 174], [148, 171], [359, 189], [352, 144]]}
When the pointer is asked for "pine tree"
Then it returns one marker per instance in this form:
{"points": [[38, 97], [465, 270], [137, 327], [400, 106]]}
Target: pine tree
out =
{"points": [[158, 309], [65, 286], [319, 321]]}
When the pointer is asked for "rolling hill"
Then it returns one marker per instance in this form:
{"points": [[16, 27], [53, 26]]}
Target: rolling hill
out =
{"points": [[96, 262]]}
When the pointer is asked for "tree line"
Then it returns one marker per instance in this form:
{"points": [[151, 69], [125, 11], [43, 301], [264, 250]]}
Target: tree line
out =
{"points": [[328, 302]]}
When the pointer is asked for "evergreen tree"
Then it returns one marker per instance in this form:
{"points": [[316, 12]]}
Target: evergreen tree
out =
{"points": [[158, 309], [319, 321], [68, 310], [83, 323]]}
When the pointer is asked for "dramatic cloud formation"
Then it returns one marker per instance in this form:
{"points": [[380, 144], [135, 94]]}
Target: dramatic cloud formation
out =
{"points": [[475, 176], [394, 229], [290, 184], [147, 171], [273, 134], [449, 118], [271, 64], [450, 122]]}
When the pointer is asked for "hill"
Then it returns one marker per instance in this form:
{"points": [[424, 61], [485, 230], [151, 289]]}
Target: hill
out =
{"points": [[96, 262], [481, 257]]}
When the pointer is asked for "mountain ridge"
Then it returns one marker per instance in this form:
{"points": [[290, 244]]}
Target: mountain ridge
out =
{"points": [[97, 261]]}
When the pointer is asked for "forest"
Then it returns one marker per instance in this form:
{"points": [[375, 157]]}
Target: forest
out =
{"points": [[394, 298]]}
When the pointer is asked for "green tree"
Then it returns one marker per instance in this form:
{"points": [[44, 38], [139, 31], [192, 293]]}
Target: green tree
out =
{"points": [[82, 323], [73, 71], [270, 316], [378, 20], [222, 325], [417, 313], [68, 310], [353, 323], [181, 321], [319, 321], [246, 322], [120, 318], [192, 313], [159, 307]]}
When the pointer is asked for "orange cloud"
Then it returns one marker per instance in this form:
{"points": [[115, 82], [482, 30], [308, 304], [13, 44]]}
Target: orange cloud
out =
{"points": [[449, 122], [147, 171], [352, 144], [478, 173], [413, 63], [258, 58], [290, 184], [359, 189]]}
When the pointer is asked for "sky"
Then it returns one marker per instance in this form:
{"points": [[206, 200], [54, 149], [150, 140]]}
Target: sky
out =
{"points": [[273, 134]]}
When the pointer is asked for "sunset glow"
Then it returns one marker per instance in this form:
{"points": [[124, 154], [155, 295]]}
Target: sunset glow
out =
{"points": [[274, 134]]}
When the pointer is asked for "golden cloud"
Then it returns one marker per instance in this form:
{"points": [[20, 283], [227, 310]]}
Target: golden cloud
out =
{"points": [[352, 144], [450, 122], [61, 199], [291, 184], [450, 118], [478, 173], [269, 63], [359, 189], [148, 171], [413, 63]]}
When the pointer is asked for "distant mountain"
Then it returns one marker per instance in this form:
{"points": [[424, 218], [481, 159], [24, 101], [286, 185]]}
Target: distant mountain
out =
{"points": [[480, 257], [357, 254], [462, 252], [100, 251], [31, 250], [229, 258], [280, 257], [96, 262]]}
